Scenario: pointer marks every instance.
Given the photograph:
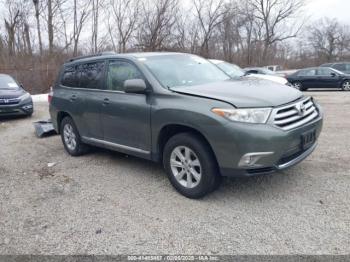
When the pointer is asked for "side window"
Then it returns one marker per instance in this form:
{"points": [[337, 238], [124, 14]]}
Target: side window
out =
{"points": [[90, 75], [69, 77], [324, 72], [310, 72], [119, 72]]}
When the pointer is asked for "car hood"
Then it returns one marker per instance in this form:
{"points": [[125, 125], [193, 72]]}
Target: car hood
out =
{"points": [[11, 93], [244, 92], [277, 79]]}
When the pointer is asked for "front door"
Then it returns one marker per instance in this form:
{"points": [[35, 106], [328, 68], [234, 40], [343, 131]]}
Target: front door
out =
{"points": [[126, 117], [327, 78]]}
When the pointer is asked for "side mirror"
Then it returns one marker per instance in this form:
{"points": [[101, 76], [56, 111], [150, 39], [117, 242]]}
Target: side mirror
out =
{"points": [[333, 74], [137, 86]]}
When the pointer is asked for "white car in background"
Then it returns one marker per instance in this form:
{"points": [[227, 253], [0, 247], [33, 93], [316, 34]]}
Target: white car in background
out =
{"points": [[235, 71]]}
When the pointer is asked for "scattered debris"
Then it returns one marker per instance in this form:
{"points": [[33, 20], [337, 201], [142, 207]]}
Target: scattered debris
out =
{"points": [[51, 164], [44, 128]]}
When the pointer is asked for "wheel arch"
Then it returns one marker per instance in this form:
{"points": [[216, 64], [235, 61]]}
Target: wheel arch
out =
{"points": [[170, 130], [60, 116]]}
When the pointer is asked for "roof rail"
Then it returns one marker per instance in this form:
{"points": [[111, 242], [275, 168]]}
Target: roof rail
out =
{"points": [[88, 56]]}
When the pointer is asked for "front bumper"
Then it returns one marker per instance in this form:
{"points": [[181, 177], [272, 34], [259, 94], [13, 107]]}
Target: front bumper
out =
{"points": [[24, 107], [238, 139]]}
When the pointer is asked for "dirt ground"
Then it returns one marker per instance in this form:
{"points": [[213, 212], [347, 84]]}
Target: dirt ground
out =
{"points": [[109, 203]]}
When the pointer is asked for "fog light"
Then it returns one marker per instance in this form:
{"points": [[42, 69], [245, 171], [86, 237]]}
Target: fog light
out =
{"points": [[251, 159], [27, 107]]}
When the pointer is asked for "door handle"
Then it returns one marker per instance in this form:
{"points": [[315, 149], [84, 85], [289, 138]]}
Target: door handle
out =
{"points": [[105, 101], [73, 98]]}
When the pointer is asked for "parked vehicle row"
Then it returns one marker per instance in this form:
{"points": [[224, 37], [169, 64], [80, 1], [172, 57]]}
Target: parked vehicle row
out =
{"points": [[14, 100], [235, 71], [320, 77], [183, 111]]}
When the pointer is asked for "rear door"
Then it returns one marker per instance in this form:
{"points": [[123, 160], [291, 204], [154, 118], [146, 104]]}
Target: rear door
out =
{"points": [[91, 82], [308, 78], [125, 116]]}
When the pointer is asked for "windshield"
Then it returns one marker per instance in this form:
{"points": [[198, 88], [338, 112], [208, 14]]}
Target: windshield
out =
{"points": [[233, 71], [7, 82], [183, 70]]}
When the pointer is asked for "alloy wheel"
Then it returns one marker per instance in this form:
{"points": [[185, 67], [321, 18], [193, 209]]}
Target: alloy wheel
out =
{"points": [[69, 137], [346, 86], [185, 166]]}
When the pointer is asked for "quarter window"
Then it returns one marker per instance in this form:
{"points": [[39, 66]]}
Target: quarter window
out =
{"points": [[119, 72], [90, 75]]}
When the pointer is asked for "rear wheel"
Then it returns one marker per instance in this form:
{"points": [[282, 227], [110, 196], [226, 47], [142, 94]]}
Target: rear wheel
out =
{"points": [[346, 85], [71, 138], [190, 165], [299, 86]]}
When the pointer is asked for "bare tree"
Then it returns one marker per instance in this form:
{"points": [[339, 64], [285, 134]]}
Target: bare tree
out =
{"points": [[37, 7], [159, 20], [210, 14], [329, 39], [11, 22], [81, 13], [124, 20], [274, 15]]}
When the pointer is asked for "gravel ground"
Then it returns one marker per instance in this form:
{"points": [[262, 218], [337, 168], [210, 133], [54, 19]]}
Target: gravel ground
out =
{"points": [[109, 203]]}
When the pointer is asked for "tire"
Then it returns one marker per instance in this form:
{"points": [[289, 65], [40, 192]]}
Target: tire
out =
{"points": [[346, 85], [201, 161], [71, 138], [299, 86]]}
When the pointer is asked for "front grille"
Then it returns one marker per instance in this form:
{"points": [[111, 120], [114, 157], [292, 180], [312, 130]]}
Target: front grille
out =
{"points": [[296, 114], [9, 101]]}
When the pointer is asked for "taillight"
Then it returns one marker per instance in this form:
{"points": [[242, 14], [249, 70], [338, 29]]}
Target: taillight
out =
{"points": [[50, 94]]}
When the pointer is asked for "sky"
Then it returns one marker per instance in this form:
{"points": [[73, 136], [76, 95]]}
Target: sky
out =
{"points": [[329, 8]]}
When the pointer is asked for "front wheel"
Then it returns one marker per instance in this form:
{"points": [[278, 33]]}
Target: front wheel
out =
{"points": [[190, 165], [346, 85]]}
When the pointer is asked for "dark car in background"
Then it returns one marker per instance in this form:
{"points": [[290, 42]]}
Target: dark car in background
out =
{"points": [[340, 66], [14, 100], [319, 77], [183, 111]]}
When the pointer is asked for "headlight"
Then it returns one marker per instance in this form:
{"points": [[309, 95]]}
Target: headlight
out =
{"points": [[247, 115], [25, 96]]}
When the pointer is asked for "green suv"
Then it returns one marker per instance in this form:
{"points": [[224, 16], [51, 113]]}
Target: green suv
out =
{"points": [[183, 111]]}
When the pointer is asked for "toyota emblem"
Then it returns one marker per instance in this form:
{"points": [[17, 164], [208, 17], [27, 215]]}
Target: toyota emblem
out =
{"points": [[300, 108]]}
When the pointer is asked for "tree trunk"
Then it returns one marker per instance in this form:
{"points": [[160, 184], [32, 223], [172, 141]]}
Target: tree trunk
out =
{"points": [[27, 38], [50, 25], [37, 17]]}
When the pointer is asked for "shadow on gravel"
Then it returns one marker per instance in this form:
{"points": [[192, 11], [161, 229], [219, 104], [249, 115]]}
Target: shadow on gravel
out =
{"points": [[12, 118], [255, 188]]}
